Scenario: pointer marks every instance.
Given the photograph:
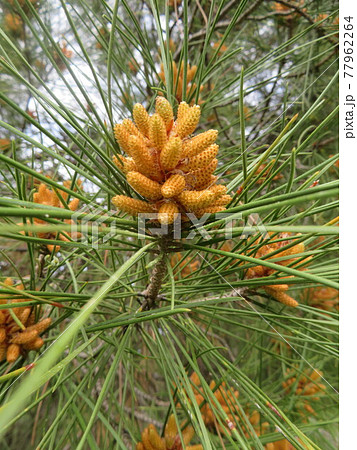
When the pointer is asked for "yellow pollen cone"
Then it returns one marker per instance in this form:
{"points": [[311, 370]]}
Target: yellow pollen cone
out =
{"points": [[278, 287], [173, 186], [24, 337], [182, 111], [203, 184], [121, 135], [202, 176], [167, 213], [40, 326], [218, 190], [197, 144], [73, 204], [34, 345], [131, 205], [196, 199], [191, 73], [13, 352], [171, 154], [188, 434], [296, 249], [171, 427], [157, 132], [281, 296], [223, 200], [131, 128], [144, 186], [164, 109], [141, 118], [201, 160], [144, 160], [145, 440], [124, 164], [189, 122], [156, 441], [166, 163]]}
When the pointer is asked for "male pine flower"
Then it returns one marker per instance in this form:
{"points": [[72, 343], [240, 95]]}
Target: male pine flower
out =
{"points": [[173, 186], [198, 143], [169, 168], [141, 118]]}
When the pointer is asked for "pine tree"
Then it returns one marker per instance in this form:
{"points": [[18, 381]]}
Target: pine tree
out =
{"points": [[224, 336]]}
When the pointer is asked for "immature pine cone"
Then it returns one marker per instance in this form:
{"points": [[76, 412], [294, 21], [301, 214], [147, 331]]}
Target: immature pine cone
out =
{"points": [[170, 169]]}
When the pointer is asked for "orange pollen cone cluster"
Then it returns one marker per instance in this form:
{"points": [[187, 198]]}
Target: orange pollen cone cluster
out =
{"points": [[178, 80], [226, 398], [45, 196], [171, 170], [151, 440], [280, 249], [322, 297], [307, 386], [14, 339], [307, 383]]}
